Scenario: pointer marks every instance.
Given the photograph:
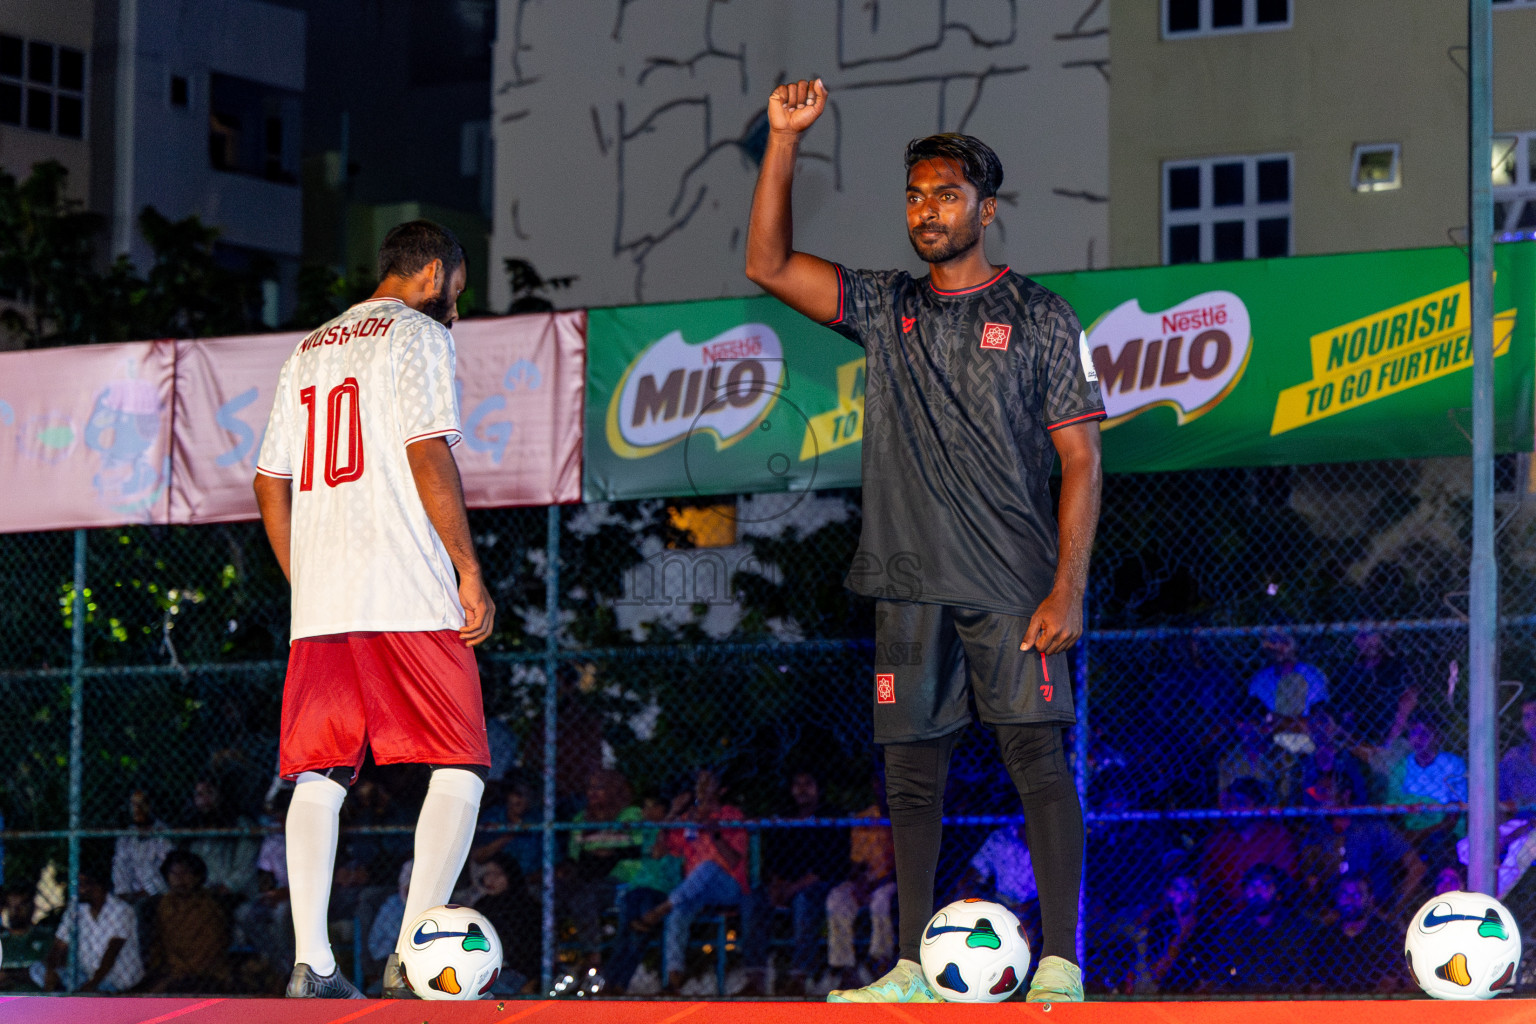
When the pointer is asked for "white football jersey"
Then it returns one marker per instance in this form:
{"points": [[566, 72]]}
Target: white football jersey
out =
{"points": [[351, 397]]}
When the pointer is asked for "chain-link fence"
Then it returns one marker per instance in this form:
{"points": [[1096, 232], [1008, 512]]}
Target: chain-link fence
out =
{"points": [[1269, 691]]}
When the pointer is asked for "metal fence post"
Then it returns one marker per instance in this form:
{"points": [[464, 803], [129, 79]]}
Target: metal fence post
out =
{"points": [[551, 695], [1482, 637], [76, 752]]}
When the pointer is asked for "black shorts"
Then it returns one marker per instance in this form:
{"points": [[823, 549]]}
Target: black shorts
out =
{"points": [[930, 658]]}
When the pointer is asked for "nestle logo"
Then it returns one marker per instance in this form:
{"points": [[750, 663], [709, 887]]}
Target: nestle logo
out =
{"points": [[1194, 319], [738, 348], [885, 688], [995, 335]]}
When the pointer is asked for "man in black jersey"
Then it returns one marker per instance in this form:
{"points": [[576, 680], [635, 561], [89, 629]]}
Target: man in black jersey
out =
{"points": [[977, 380]]}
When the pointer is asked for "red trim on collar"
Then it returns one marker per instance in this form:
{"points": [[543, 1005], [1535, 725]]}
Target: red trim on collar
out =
{"points": [[966, 291]]}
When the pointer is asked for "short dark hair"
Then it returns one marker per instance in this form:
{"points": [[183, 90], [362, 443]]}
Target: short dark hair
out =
{"points": [[411, 246], [981, 166], [188, 859]]}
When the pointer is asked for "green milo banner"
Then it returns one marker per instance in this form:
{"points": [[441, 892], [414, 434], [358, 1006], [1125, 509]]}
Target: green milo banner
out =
{"points": [[721, 397], [1260, 362]]}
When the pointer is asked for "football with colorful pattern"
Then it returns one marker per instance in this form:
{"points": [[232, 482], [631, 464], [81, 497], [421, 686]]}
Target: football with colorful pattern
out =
{"points": [[975, 951], [451, 952], [1463, 945]]}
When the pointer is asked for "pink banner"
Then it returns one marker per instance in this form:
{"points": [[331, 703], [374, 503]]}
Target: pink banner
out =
{"points": [[520, 399], [85, 436]]}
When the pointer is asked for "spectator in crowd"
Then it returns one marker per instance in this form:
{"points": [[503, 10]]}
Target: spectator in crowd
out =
{"points": [[505, 749], [1287, 687], [264, 923], [515, 914], [600, 859], [714, 868], [25, 942], [109, 942], [871, 883], [525, 848], [1332, 754], [189, 950], [1239, 845], [1001, 870], [800, 866], [1253, 755], [1172, 947], [1366, 847], [657, 874], [1357, 952], [1264, 948], [1517, 768], [1450, 878], [1369, 688], [136, 858], [371, 804], [385, 931], [1429, 775], [1112, 885], [230, 860]]}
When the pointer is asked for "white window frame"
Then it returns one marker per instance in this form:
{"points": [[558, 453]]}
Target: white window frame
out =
{"points": [[1250, 21], [1395, 182], [1522, 193], [1207, 215], [53, 89]]}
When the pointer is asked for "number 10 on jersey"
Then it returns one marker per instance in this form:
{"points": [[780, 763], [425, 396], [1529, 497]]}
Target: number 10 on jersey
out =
{"points": [[343, 411]]}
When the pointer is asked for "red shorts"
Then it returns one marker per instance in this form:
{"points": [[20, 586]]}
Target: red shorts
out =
{"points": [[414, 697]]}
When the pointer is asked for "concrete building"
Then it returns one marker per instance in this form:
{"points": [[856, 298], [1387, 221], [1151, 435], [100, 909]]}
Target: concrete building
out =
{"points": [[1247, 128], [627, 139], [192, 108]]}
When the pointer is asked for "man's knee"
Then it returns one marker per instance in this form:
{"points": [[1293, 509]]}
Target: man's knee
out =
{"points": [[1036, 761]]}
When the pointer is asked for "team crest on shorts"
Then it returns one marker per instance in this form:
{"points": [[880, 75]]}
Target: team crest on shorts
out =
{"points": [[995, 336], [885, 688]]}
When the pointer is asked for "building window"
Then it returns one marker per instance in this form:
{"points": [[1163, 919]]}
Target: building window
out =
{"points": [[1514, 186], [249, 128], [1185, 18], [180, 91], [1227, 208], [42, 87], [1377, 168]]}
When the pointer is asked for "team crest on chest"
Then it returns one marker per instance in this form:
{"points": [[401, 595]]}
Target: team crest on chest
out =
{"points": [[995, 336]]}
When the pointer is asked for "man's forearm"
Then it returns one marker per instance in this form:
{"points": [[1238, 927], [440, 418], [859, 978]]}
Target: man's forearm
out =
{"points": [[1078, 516], [770, 230], [442, 496]]}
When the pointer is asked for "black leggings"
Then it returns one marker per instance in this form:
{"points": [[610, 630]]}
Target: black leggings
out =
{"points": [[915, 774]]}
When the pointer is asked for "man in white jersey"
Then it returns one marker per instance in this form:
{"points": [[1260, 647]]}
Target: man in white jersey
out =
{"points": [[363, 505]]}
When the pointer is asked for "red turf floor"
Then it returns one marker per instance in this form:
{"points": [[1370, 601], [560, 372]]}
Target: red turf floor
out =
{"points": [[132, 1010]]}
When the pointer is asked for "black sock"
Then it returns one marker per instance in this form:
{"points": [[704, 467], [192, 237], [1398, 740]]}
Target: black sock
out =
{"points": [[915, 774], [1053, 828]]}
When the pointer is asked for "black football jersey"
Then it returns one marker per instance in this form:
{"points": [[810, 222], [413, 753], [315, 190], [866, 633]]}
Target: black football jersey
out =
{"points": [[962, 391]]}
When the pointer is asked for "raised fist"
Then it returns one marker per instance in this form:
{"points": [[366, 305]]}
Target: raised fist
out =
{"points": [[795, 106]]}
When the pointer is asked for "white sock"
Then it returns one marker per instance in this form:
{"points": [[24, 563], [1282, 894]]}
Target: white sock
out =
{"points": [[443, 835], [312, 831]]}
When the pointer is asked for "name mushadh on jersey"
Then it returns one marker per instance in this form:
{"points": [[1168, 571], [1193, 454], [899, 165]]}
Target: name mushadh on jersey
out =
{"points": [[726, 386], [343, 333], [1187, 357]]}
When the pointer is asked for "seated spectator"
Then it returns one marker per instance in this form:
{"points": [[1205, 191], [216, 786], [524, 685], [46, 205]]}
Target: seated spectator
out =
{"points": [[1369, 688], [871, 883], [189, 950], [525, 848], [1288, 687], [25, 941], [1429, 775], [517, 918], [1367, 847], [109, 942], [1172, 946], [384, 933], [1332, 754], [136, 859], [1001, 870], [714, 868], [371, 804], [600, 860], [1517, 768], [264, 923], [658, 874], [800, 866], [1253, 755], [231, 860], [1239, 845], [1265, 947], [1120, 852], [1450, 878], [1358, 952]]}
